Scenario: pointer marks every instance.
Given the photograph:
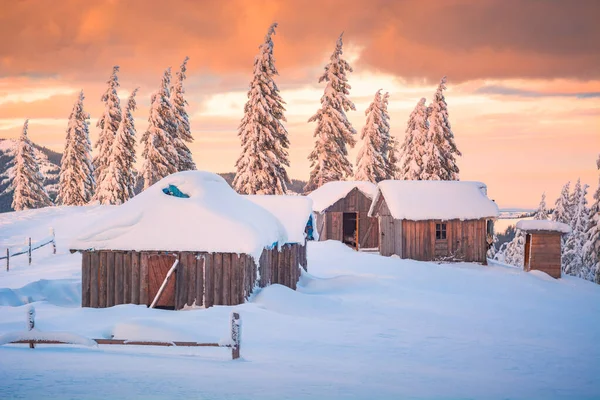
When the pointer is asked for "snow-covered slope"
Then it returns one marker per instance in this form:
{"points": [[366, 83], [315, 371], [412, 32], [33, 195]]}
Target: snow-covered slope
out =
{"points": [[360, 326], [49, 162]]}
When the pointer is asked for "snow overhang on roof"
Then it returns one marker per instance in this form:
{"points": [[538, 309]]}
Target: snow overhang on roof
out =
{"points": [[435, 200], [331, 192], [292, 211], [543, 226], [214, 218]]}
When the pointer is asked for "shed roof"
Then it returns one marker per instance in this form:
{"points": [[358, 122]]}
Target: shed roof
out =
{"points": [[442, 200], [328, 194], [292, 211], [214, 219], [543, 225]]}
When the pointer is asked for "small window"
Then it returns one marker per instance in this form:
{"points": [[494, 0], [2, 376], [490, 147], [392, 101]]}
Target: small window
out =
{"points": [[440, 231]]}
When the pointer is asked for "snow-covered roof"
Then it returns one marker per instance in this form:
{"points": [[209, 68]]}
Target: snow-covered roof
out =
{"points": [[328, 194], [214, 219], [292, 211], [543, 225], [443, 200]]}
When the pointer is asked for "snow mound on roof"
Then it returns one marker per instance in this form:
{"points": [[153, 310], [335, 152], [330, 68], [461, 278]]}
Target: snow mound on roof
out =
{"points": [[214, 219], [328, 194], [443, 200], [543, 225], [292, 211]]}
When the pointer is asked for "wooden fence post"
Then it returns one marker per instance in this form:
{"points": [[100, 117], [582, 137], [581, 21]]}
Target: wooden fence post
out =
{"points": [[31, 323], [236, 331], [7, 259], [53, 241], [29, 251]]}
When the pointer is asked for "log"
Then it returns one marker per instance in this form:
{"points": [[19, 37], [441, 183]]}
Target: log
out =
{"points": [[94, 278], [127, 278], [102, 281], [200, 280], [144, 278], [218, 281], [110, 279], [236, 333], [209, 279], [135, 277], [119, 295], [85, 279], [227, 278]]}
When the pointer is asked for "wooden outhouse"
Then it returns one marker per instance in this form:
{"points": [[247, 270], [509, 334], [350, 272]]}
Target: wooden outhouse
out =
{"points": [[189, 240], [341, 209], [294, 213], [543, 245], [434, 220]]}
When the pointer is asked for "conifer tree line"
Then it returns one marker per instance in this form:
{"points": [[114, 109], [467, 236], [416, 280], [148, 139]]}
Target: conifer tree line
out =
{"points": [[581, 248], [109, 176]]}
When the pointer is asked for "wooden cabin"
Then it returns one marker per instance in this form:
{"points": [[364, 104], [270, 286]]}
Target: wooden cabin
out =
{"points": [[341, 209], [218, 245], [543, 243], [294, 213], [434, 220]]}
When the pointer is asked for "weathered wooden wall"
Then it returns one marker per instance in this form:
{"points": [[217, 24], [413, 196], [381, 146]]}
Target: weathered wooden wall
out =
{"points": [[330, 222], [465, 240], [544, 253], [109, 278]]}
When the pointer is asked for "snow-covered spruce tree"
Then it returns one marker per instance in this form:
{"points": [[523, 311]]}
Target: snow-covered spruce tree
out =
{"points": [[261, 168], [573, 254], [390, 150], [117, 180], [514, 252], [184, 134], [108, 124], [76, 182], [371, 163], [413, 148], [160, 155], [541, 213], [492, 251], [574, 198], [441, 151], [591, 249], [562, 210], [329, 158], [28, 183]]}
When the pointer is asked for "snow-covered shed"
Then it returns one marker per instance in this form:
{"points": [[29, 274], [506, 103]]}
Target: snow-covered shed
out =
{"points": [[543, 245], [434, 220], [295, 214], [342, 208], [217, 237]]}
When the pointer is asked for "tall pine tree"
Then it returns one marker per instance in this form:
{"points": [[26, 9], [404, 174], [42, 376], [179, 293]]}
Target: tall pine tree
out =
{"points": [[541, 213], [329, 158], [28, 183], [390, 150], [108, 124], [573, 254], [591, 249], [371, 161], [184, 133], [413, 148], [160, 154], [441, 151], [117, 182], [261, 168], [76, 182], [562, 212]]}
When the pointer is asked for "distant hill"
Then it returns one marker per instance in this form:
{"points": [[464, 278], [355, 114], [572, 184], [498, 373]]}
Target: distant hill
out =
{"points": [[297, 186], [49, 166]]}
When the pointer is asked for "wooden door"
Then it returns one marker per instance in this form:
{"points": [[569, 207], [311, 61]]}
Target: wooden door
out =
{"points": [[158, 267]]}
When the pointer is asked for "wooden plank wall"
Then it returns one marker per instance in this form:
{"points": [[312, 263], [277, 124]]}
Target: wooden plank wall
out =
{"points": [[357, 202], [545, 253], [204, 279], [466, 240]]}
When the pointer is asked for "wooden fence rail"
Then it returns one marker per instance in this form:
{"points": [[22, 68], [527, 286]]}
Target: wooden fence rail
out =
{"points": [[234, 344], [29, 248]]}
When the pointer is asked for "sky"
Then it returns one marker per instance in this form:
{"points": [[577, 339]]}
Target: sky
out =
{"points": [[523, 76]]}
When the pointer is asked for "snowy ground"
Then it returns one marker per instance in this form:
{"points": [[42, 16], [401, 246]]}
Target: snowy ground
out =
{"points": [[360, 326]]}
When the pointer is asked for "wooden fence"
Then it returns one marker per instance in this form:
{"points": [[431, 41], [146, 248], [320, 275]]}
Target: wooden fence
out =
{"points": [[234, 344], [29, 248]]}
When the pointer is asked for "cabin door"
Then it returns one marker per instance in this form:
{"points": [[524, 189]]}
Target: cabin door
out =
{"points": [[350, 229], [158, 267]]}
